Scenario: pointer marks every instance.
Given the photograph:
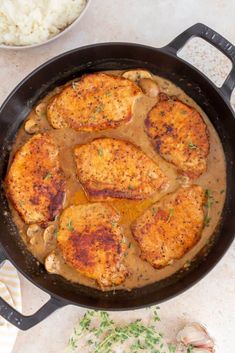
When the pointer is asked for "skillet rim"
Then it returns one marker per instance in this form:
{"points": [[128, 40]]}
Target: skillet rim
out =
{"points": [[164, 50]]}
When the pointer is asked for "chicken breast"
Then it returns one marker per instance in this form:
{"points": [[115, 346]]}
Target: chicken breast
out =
{"points": [[96, 102], [92, 242], [179, 135], [109, 168], [35, 183], [171, 227]]}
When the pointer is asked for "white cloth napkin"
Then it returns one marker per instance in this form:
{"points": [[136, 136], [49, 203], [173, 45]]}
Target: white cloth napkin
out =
{"points": [[9, 291]]}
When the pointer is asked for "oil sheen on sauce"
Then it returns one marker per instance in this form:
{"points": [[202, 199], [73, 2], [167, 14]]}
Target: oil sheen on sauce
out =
{"points": [[141, 273]]}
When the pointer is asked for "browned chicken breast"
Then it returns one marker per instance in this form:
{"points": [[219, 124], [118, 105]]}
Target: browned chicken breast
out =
{"points": [[92, 242], [171, 227], [179, 135], [110, 168], [35, 183], [96, 102]]}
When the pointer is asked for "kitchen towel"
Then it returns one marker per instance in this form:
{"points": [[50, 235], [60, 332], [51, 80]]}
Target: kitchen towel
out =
{"points": [[9, 291]]}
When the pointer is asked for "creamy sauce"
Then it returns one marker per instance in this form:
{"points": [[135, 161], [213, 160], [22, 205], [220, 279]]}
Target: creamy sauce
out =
{"points": [[141, 273]]}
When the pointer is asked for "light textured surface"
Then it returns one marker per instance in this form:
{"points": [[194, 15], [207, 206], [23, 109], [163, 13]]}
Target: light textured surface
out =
{"points": [[153, 22]]}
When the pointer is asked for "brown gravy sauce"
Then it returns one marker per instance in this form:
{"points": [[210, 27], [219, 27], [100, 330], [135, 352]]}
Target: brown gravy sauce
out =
{"points": [[142, 273]]}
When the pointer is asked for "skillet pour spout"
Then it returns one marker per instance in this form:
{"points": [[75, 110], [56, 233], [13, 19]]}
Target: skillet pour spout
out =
{"points": [[109, 56]]}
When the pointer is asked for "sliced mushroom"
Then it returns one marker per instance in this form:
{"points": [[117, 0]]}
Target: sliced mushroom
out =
{"points": [[31, 126], [33, 229], [196, 335], [136, 75], [52, 263], [41, 109], [49, 235], [149, 87], [183, 180]]}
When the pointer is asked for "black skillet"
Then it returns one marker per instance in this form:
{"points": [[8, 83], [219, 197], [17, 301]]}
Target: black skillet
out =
{"points": [[164, 62]]}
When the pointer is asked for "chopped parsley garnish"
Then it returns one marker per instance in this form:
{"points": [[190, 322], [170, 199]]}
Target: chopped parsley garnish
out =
{"points": [[222, 191], [55, 233], [154, 210], [130, 187], [208, 205], [171, 212], [114, 223], [100, 152], [47, 176], [69, 225], [123, 241], [99, 108], [21, 203], [192, 146]]}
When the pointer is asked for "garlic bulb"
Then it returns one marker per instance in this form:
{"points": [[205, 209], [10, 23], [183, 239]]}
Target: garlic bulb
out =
{"points": [[194, 334]]}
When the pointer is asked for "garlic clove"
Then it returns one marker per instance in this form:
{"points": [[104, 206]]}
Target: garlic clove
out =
{"points": [[196, 335]]}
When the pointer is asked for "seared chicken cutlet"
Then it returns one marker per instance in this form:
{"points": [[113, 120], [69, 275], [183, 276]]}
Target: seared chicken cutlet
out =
{"points": [[96, 102], [92, 242], [171, 227], [179, 135], [109, 168], [35, 183]]}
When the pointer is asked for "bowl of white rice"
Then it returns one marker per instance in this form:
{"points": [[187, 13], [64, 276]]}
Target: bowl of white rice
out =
{"points": [[30, 23]]}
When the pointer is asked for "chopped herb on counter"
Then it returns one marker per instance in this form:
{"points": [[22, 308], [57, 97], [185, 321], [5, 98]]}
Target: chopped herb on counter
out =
{"points": [[190, 349], [97, 333], [172, 348]]}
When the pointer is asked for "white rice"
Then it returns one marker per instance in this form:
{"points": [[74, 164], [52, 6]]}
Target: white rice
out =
{"points": [[26, 22]]}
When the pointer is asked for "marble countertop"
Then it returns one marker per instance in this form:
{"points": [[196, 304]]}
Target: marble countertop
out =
{"points": [[212, 300]]}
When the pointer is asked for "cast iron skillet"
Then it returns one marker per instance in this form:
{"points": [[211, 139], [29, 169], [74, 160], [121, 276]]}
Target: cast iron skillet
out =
{"points": [[164, 62]]}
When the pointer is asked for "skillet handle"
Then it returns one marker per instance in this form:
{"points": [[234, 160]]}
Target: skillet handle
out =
{"points": [[214, 38], [26, 322]]}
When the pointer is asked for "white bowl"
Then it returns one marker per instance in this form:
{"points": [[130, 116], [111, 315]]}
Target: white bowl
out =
{"points": [[20, 47]]}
